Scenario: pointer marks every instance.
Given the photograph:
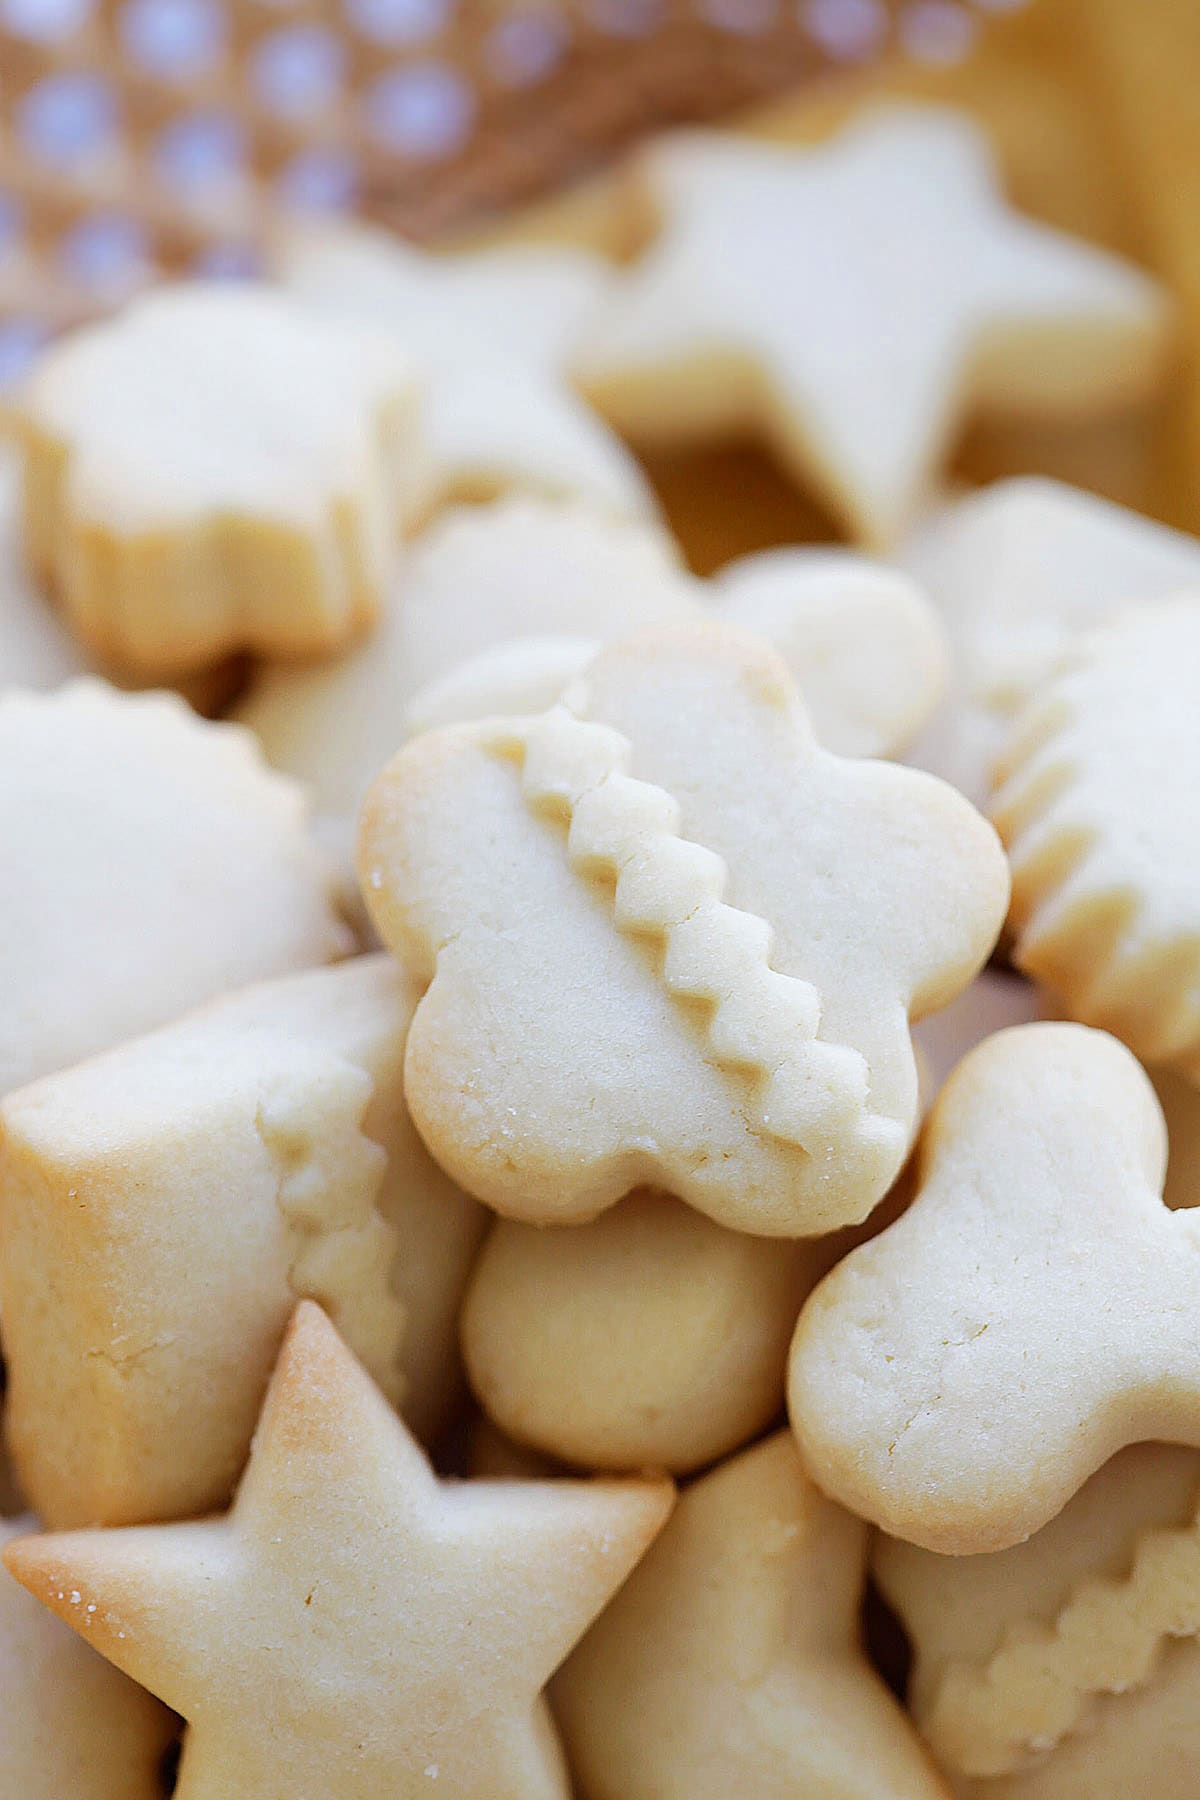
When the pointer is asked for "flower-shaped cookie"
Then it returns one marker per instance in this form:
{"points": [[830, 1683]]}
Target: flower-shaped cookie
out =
{"points": [[1067, 1666], [1097, 808], [651, 1338], [730, 1662], [213, 471], [354, 1628], [499, 606], [151, 862], [852, 301], [71, 1726], [176, 1196], [670, 941], [1018, 572], [491, 335], [958, 1378]]}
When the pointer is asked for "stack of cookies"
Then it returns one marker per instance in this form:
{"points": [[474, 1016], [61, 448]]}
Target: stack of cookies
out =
{"points": [[574, 1136]]}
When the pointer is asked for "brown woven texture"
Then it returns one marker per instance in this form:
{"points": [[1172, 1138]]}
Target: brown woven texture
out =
{"points": [[143, 136]]}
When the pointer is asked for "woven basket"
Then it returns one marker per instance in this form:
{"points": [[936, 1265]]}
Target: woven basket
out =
{"points": [[149, 136]]}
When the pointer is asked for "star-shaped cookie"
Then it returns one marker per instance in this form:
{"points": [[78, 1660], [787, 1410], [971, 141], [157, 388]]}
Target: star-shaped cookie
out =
{"points": [[1018, 572], [491, 335], [354, 1627], [216, 470], [851, 302], [958, 1378], [71, 1726], [671, 941], [499, 606], [730, 1663], [177, 1195], [151, 862], [1096, 804], [1068, 1667]]}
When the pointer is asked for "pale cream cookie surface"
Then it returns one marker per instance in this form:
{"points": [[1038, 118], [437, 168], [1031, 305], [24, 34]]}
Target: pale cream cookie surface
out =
{"points": [[730, 1663], [71, 1726], [177, 1195], [671, 941], [1018, 572], [649, 1338], [151, 862], [957, 1379], [492, 335], [499, 607], [215, 470], [1068, 1667], [354, 1627], [853, 302], [1097, 806]]}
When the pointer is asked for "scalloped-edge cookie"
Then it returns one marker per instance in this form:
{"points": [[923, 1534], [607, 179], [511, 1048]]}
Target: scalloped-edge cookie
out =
{"points": [[672, 942], [354, 1627], [1096, 803], [1060, 1659], [71, 1726], [491, 335], [499, 607], [177, 1195], [852, 302], [215, 470], [649, 1338], [151, 862], [730, 1663], [958, 1378], [1017, 572]]}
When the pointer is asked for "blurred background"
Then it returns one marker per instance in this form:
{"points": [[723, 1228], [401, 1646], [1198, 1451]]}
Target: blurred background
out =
{"points": [[148, 137]]}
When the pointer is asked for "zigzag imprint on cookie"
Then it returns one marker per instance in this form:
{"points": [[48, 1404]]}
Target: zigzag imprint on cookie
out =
{"points": [[666, 887], [993, 1718]]}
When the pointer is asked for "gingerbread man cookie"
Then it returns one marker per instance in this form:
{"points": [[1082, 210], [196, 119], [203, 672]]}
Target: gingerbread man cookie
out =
{"points": [[957, 1379], [851, 302], [215, 470], [491, 335], [730, 1662], [670, 941], [177, 1195], [151, 862], [1097, 808], [354, 1627]]}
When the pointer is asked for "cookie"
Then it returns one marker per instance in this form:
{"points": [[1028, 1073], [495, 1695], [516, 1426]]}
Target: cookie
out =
{"points": [[215, 470], [671, 942], [354, 1627], [491, 335], [177, 1195], [1067, 1666], [73, 1728], [957, 1379], [851, 303], [1096, 804], [651, 1338], [501, 606], [36, 649], [151, 862], [997, 998], [730, 1662], [1018, 572]]}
